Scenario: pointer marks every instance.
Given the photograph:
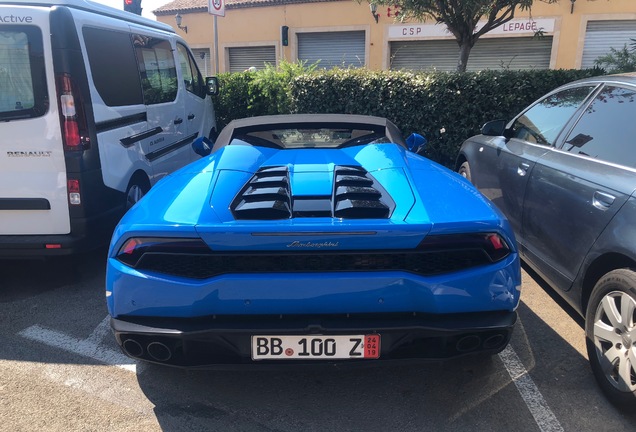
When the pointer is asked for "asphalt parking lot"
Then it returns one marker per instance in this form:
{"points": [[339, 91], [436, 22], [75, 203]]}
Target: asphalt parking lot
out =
{"points": [[60, 370]]}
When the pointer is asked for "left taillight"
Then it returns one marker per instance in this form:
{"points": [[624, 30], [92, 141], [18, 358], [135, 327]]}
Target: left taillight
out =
{"points": [[135, 248], [72, 117]]}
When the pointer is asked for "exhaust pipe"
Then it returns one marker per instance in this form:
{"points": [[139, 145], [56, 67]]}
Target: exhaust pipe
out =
{"points": [[133, 348], [468, 343], [159, 351], [494, 341]]}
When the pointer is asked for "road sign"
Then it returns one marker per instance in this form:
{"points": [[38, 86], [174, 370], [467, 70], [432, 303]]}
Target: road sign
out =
{"points": [[216, 7]]}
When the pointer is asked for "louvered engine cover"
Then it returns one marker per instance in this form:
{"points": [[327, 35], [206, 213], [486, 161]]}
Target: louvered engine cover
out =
{"points": [[355, 194]]}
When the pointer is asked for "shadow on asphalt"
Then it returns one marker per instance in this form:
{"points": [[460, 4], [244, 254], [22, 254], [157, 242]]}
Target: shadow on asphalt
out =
{"points": [[22, 279], [469, 393], [554, 296]]}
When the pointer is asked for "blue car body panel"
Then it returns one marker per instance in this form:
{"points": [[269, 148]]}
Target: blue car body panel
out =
{"points": [[196, 202]]}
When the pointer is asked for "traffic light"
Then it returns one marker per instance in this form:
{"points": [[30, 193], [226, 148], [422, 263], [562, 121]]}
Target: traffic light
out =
{"points": [[133, 6], [284, 35]]}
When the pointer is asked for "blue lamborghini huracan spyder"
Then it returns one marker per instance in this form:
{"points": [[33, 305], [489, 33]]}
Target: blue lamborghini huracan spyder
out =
{"points": [[311, 239]]}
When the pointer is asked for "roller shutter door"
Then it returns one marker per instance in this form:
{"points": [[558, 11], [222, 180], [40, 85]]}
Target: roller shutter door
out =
{"points": [[491, 53], [332, 49], [600, 36], [242, 58], [202, 59]]}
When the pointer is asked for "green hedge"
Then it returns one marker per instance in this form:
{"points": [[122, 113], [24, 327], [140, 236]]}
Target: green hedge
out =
{"points": [[445, 107]]}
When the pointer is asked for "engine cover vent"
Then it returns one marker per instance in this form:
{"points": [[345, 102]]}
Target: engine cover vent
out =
{"points": [[355, 195], [265, 197]]}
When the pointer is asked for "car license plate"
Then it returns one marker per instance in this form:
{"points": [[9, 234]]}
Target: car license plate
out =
{"points": [[315, 347]]}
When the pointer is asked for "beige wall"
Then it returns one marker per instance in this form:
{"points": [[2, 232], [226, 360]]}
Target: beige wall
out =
{"points": [[262, 26]]}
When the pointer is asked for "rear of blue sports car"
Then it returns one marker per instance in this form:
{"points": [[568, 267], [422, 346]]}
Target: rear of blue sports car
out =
{"points": [[320, 245]]}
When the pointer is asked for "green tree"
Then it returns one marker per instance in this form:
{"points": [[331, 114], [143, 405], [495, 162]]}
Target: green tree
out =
{"points": [[461, 17]]}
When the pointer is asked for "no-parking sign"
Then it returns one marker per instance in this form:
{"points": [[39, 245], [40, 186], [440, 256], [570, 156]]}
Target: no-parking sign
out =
{"points": [[216, 7]]}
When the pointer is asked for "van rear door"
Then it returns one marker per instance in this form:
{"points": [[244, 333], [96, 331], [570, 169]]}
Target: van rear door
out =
{"points": [[33, 181]]}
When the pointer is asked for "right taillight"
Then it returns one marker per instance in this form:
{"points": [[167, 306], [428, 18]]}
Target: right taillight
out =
{"points": [[493, 244]]}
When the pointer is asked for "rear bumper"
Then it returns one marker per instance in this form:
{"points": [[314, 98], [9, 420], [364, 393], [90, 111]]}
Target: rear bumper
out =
{"points": [[86, 234], [222, 342]]}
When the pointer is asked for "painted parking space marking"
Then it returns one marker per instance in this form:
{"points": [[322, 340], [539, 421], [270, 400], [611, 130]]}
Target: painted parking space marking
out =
{"points": [[543, 415], [90, 347]]}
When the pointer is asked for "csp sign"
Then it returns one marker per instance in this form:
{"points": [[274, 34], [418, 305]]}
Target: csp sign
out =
{"points": [[216, 7]]}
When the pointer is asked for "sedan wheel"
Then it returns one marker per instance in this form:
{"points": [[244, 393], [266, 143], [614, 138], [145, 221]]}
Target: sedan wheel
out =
{"points": [[464, 170], [611, 335]]}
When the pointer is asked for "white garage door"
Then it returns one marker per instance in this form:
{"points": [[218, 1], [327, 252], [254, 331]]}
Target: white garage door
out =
{"points": [[600, 36], [202, 58], [332, 49], [491, 53], [243, 58]]}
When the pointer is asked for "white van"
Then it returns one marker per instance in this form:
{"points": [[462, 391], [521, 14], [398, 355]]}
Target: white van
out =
{"points": [[96, 105]]}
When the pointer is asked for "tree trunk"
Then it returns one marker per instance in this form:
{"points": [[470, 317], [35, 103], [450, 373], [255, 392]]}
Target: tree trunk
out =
{"points": [[464, 52]]}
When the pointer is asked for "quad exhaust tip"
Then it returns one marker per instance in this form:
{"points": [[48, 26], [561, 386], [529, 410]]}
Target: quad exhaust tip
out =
{"points": [[133, 348], [159, 351], [468, 343], [474, 342]]}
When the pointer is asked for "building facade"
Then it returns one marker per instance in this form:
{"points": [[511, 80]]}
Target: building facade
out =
{"points": [[573, 34]]}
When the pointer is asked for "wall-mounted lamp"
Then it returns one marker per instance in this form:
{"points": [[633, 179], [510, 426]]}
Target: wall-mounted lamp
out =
{"points": [[178, 19], [374, 9], [572, 6]]}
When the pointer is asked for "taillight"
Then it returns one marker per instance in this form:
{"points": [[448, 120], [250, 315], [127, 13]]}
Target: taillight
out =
{"points": [[492, 244], [134, 248], [72, 118], [73, 188]]}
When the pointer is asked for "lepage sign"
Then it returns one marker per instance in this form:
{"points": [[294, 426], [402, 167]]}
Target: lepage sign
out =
{"points": [[513, 27]]}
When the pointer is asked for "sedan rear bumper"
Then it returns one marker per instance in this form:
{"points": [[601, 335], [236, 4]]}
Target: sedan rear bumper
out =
{"points": [[217, 342]]}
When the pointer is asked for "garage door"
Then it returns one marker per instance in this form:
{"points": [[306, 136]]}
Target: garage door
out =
{"points": [[243, 58], [202, 58], [492, 53], [600, 36], [332, 49]]}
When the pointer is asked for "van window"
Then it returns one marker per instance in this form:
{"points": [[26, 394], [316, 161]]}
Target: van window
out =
{"points": [[190, 72], [157, 69], [23, 92], [113, 66]]}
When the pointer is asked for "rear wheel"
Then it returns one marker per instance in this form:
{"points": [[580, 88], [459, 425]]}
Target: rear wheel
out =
{"points": [[610, 328], [138, 187], [464, 170]]}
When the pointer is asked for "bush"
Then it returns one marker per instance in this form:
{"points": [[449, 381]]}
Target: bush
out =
{"points": [[619, 60], [445, 107]]}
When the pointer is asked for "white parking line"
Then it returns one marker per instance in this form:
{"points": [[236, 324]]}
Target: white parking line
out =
{"points": [[90, 347], [543, 415]]}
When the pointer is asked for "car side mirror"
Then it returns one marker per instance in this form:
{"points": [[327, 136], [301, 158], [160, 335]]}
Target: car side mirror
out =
{"points": [[202, 146], [494, 128], [212, 86], [416, 143]]}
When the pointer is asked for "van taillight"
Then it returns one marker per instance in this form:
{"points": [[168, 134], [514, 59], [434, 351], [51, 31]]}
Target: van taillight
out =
{"points": [[72, 119], [74, 196]]}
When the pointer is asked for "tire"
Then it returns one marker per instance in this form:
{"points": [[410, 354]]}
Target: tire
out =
{"points": [[138, 187], [464, 170], [610, 330]]}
